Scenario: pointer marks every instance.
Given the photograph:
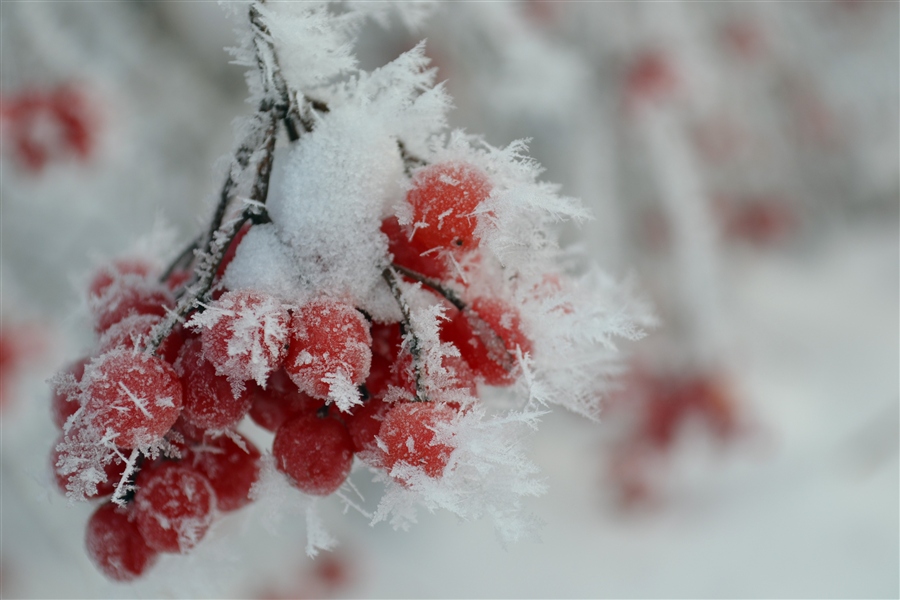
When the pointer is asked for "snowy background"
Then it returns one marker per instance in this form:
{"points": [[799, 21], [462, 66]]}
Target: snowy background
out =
{"points": [[801, 319]]}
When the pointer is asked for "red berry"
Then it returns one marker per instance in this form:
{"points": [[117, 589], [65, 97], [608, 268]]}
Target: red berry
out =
{"points": [[133, 332], [65, 398], [174, 506], [209, 399], [408, 433], [245, 335], [134, 269], [135, 396], [443, 198], [129, 296], [487, 338], [386, 340], [316, 453], [230, 469], [328, 339], [408, 253], [365, 422], [115, 545], [280, 401]]}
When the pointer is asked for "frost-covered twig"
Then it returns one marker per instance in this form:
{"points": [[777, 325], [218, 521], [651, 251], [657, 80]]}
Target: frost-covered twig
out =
{"points": [[415, 348]]}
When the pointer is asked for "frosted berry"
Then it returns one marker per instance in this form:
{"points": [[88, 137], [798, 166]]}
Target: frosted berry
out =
{"points": [[174, 507], [134, 269], [408, 434], [410, 253], [315, 452], [245, 335], [115, 546], [132, 395], [487, 338], [230, 469], [64, 403], [444, 197], [134, 332], [209, 399], [126, 297], [328, 339], [279, 402]]}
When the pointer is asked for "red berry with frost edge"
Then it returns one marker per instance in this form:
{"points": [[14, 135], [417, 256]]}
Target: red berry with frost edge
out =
{"points": [[407, 436], [64, 403], [443, 198], [134, 332], [174, 506], [244, 335], [134, 269], [115, 545], [134, 396], [315, 452], [209, 399], [279, 402], [408, 253], [329, 339], [488, 337], [231, 468], [121, 301]]}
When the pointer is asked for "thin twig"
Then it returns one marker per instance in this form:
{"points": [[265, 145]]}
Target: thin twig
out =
{"points": [[446, 292], [492, 340], [415, 348]]}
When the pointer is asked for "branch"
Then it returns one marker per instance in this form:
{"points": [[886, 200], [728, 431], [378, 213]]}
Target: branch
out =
{"points": [[219, 238], [415, 348], [494, 342]]}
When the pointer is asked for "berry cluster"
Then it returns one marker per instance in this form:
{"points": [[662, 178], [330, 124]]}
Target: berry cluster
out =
{"points": [[155, 428]]}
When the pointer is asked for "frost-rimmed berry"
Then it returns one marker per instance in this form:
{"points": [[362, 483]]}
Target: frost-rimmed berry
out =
{"points": [[134, 396], [407, 436], [443, 198], [244, 335], [488, 337], [330, 343], [174, 507]]}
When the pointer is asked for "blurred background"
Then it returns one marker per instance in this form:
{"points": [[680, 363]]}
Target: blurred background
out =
{"points": [[741, 159]]}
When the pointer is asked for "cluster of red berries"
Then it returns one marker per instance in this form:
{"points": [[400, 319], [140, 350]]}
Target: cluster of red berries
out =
{"points": [[247, 353], [45, 125]]}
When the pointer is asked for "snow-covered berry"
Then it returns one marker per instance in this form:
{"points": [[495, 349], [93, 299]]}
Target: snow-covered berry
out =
{"points": [[443, 198], [134, 396], [488, 336], [407, 436], [244, 335], [330, 343], [174, 507]]}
